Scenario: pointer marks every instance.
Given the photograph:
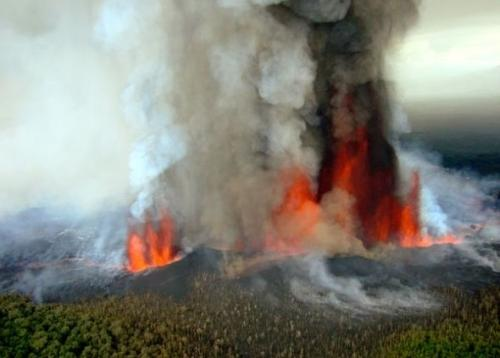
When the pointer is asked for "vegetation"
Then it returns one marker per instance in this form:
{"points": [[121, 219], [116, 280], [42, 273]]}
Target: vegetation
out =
{"points": [[218, 319], [467, 328]]}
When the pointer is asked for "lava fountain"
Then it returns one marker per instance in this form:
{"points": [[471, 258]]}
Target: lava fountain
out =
{"points": [[358, 159], [364, 164], [296, 217], [361, 163], [151, 244]]}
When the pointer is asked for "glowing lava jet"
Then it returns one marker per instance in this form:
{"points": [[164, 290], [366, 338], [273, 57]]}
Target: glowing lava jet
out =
{"points": [[152, 246], [296, 218], [363, 164], [384, 217]]}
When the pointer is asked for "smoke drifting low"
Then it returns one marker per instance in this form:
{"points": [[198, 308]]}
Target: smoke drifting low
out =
{"points": [[223, 114]]}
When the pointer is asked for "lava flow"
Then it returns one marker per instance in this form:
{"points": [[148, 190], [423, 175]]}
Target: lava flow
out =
{"points": [[152, 246]]}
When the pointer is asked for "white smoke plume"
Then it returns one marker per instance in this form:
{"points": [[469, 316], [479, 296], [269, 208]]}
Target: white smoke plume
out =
{"points": [[316, 285], [63, 140], [457, 202], [241, 92], [189, 105]]}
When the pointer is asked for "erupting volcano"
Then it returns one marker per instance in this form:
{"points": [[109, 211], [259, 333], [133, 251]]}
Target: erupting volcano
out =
{"points": [[383, 216], [297, 216], [363, 164], [360, 162], [240, 178], [152, 245], [237, 162]]}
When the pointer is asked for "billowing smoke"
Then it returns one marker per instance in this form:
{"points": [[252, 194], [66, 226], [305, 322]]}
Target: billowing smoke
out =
{"points": [[315, 284], [192, 107], [64, 142], [236, 96]]}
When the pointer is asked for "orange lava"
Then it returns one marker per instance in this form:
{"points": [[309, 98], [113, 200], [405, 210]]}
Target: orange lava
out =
{"points": [[428, 241], [364, 165], [152, 246], [296, 217], [383, 216]]}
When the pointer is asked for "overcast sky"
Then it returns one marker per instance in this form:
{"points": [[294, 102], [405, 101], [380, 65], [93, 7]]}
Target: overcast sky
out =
{"points": [[451, 57]]}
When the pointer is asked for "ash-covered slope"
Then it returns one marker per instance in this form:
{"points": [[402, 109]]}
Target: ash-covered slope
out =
{"points": [[403, 280], [406, 280]]}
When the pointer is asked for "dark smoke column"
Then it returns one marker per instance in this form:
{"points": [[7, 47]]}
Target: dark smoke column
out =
{"points": [[320, 11], [349, 40]]}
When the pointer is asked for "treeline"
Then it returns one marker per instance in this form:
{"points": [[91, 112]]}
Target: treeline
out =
{"points": [[219, 319]]}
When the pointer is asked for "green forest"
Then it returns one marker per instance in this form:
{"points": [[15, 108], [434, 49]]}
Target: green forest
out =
{"points": [[219, 319]]}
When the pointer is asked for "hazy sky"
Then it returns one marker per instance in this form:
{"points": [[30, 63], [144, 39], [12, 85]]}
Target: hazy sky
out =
{"points": [[450, 59]]}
